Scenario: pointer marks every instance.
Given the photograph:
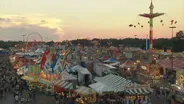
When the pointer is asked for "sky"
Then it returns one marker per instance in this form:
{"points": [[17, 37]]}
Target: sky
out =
{"points": [[60, 20]]}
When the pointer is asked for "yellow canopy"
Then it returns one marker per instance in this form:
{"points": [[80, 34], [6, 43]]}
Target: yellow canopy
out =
{"points": [[30, 79]]}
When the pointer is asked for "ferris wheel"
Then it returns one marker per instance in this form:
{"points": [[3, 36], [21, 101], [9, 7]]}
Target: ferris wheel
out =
{"points": [[32, 39]]}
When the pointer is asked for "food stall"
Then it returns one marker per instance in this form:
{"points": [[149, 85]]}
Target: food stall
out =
{"points": [[178, 93], [86, 95], [46, 86], [66, 82], [31, 81]]}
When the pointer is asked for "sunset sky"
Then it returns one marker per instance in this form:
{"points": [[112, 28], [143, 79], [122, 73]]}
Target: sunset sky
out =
{"points": [[72, 19]]}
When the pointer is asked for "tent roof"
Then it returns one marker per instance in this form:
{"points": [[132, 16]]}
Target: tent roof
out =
{"points": [[39, 50], [128, 63], [111, 60], [110, 83], [113, 83], [83, 71], [66, 76], [110, 66]]}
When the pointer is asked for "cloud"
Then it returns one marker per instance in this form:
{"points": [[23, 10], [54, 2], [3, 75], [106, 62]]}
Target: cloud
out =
{"points": [[14, 26]]}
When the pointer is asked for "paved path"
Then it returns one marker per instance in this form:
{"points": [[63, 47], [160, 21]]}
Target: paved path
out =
{"points": [[40, 99]]}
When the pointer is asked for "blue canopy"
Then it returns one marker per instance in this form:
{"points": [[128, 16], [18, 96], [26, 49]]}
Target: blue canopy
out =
{"points": [[111, 60]]}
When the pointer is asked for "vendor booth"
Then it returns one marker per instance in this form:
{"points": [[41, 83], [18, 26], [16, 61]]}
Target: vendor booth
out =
{"points": [[84, 75], [66, 82], [46, 86], [178, 93], [31, 81], [86, 95]]}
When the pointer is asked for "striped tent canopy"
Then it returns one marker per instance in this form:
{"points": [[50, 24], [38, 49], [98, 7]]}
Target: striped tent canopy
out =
{"points": [[46, 82], [30, 79], [22, 70], [139, 91], [64, 84], [111, 83], [34, 69]]}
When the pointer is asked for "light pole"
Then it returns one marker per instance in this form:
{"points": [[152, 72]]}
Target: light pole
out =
{"points": [[23, 38], [172, 27]]}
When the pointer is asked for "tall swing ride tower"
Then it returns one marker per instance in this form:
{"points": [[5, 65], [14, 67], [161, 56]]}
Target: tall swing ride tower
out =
{"points": [[151, 16]]}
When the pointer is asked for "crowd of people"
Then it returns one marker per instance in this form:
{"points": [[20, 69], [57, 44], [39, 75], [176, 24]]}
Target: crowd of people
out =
{"points": [[11, 83]]}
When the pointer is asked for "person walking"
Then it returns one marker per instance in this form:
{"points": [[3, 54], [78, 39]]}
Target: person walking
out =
{"points": [[16, 99]]}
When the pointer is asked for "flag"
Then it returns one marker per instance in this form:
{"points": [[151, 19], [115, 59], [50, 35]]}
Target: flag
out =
{"points": [[65, 58], [56, 57], [43, 60]]}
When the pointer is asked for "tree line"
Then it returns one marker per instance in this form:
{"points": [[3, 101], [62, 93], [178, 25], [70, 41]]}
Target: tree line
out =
{"points": [[176, 43]]}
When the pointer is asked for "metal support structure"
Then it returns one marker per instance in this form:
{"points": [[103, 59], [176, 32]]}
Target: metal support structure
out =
{"points": [[23, 41], [151, 16], [146, 43]]}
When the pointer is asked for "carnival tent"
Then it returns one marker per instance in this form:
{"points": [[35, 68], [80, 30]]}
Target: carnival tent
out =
{"points": [[110, 66], [113, 83], [69, 69], [33, 69], [82, 72], [60, 85], [22, 70], [115, 64], [46, 82], [100, 68], [39, 50], [138, 90], [111, 60], [37, 60], [76, 67], [84, 91], [30, 79], [128, 64], [66, 76]]}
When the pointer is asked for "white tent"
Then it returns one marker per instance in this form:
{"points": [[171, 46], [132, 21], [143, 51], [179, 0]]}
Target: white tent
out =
{"points": [[39, 50], [110, 83], [110, 66], [115, 64], [82, 72], [37, 60], [57, 68], [66, 76], [20, 54], [22, 70], [101, 88], [76, 67], [113, 83]]}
